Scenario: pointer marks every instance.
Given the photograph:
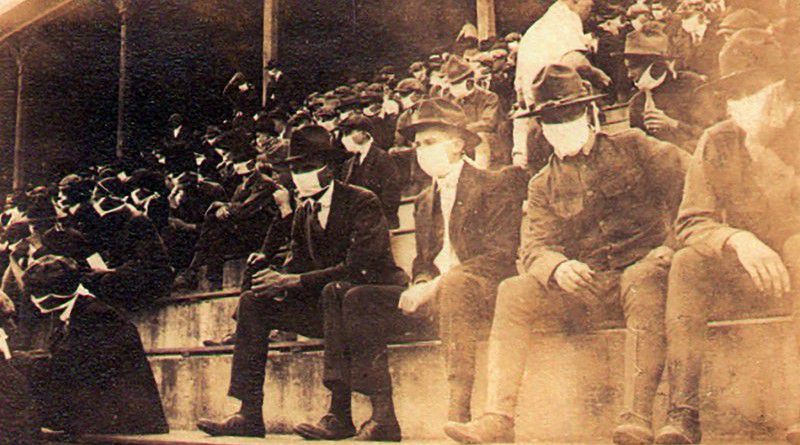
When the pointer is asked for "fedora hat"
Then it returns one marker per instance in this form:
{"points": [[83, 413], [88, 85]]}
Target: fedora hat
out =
{"points": [[456, 69], [742, 19], [357, 121], [311, 142], [559, 86], [440, 113], [749, 52], [650, 41]]}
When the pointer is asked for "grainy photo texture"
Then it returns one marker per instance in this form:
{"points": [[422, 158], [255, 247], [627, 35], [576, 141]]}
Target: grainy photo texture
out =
{"points": [[429, 221]]}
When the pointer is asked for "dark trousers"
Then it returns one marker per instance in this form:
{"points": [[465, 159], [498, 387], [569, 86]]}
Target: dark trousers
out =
{"points": [[299, 312], [231, 238], [701, 286], [524, 305], [359, 322]]}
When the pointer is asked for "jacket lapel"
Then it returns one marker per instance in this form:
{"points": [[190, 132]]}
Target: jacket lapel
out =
{"points": [[464, 197]]}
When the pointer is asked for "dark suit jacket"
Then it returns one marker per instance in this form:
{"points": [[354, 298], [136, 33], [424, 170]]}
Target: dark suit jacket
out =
{"points": [[130, 244], [355, 247], [484, 226], [378, 174], [98, 379]]}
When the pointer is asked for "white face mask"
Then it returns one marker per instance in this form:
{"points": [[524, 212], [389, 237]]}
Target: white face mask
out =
{"points": [[568, 138], [352, 146], [307, 183], [406, 102], [459, 90], [647, 82], [433, 159], [762, 111], [243, 168], [329, 125], [696, 25]]}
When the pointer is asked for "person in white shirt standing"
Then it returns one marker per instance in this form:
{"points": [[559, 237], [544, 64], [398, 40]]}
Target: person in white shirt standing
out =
{"points": [[557, 37]]}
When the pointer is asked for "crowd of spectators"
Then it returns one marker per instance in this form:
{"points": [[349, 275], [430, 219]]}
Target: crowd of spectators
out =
{"points": [[160, 221]]}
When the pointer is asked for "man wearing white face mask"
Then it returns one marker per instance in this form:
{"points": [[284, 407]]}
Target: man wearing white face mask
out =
{"points": [[745, 168], [666, 106], [466, 236], [339, 239], [591, 249], [481, 106], [369, 166]]}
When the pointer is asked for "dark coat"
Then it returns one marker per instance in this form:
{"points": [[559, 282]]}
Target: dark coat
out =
{"points": [[484, 226], [378, 174], [607, 209], [678, 99], [354, 246], [130, 244], [98, 379], [18, 419]]}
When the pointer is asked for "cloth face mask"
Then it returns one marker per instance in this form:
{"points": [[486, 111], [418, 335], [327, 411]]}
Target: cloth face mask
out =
{"points": [[433, 159], [568, 138], [647, 82], [307, 183], [352, 147]]}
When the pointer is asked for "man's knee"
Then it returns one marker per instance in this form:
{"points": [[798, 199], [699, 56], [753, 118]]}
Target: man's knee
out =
{"points": [[357, 300], [791, 253], [519, 295], [644, 288], [688, 285], [458, 289], [333, 293]]}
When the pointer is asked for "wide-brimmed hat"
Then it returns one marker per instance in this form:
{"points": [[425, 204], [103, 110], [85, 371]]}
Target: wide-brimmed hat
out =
{"points": [[749, 52], [559, 86], [410, 85], [440, 113], [51, 274], [650, 41], [311, 142], [456, 69], [742, 19]]}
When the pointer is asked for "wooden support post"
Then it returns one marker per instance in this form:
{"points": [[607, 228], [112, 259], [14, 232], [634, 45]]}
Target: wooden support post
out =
{"points": [[122, 93], [269, 49], [487, 26], [19, 50]]}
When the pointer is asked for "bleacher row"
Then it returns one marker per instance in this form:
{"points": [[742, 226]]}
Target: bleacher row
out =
{"points": [[572, 390]]}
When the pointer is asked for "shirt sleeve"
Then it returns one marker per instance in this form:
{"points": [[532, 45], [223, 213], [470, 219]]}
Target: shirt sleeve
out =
{"points": [[541, 251]]}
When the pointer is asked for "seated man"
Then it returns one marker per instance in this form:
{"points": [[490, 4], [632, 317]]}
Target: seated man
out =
{"points": [[233, 229], [745, 168], [666, 106], [370, 167], [464, 248], [339, 235], [592, 248], [94, 376], [132, 268]]}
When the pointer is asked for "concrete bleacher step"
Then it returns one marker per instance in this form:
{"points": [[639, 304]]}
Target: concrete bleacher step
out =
{"points": [[572, 389], [197, 438]]}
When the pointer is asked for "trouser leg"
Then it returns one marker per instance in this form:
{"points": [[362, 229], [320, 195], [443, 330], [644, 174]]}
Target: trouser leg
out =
{"points": [[791, 258], [643, 292], [337, 364], [299, 312], [466, 305], [370, 319], [521, 304]]}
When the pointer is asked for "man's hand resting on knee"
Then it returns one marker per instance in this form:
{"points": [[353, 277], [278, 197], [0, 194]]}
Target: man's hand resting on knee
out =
{"points": [[417, 296], [763, 264]]}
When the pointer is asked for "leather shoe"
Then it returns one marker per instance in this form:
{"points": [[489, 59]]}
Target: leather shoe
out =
{"points": [[227, 340], [489, 428], [235, 425], [793, 434], [633, 430], [682, 428], [329, 427], [372, 431]]}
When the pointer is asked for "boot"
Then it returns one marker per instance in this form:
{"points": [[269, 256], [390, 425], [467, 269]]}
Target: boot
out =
{"points": [[633, 430], [372, 431], [329, 427], [490, 428], [235, 425], [682, 428]]}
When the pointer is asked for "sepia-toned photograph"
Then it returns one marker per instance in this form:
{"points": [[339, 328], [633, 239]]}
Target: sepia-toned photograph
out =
{"points": [[436, 222]]}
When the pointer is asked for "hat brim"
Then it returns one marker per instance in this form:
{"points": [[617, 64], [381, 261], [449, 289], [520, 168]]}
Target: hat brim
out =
{"points": [[470, 138], [553, 106], [291, 160], [724, 83]]}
